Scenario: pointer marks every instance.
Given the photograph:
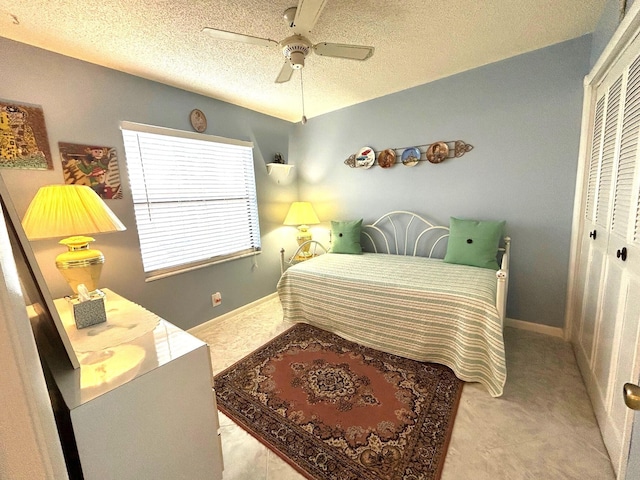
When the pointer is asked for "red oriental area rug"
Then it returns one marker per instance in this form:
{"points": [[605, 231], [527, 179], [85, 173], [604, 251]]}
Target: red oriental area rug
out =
{"points": [[336, 410]]}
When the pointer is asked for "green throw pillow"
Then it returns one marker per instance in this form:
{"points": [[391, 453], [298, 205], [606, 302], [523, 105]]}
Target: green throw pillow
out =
{"points": [[345, 237], [474, 243]]}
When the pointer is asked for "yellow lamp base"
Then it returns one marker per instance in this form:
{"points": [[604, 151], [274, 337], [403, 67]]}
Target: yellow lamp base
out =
{"points": [[80, 264], [304, 235]]}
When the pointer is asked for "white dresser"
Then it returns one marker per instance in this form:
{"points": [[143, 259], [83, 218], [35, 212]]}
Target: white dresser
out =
{"points": [[141, 405]]}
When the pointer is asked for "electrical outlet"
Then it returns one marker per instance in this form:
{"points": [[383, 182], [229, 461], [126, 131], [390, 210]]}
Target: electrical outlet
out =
{"points": [[216, 299]]}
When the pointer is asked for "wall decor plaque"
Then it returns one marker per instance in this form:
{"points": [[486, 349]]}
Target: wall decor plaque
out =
{"points": [[198, 120], [437, 152]]}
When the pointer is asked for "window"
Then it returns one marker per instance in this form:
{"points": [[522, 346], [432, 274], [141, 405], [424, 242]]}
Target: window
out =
{"points": [[194, 198]]}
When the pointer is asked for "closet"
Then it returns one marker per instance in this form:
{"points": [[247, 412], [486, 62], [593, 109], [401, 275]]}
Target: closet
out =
{"points": [[604, 303]]}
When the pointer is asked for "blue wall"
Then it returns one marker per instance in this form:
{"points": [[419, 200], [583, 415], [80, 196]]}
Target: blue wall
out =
{"points": [[522, 115], [84, 103], [605, 28]]}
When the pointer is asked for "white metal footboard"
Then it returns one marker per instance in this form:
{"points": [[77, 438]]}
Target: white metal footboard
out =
{"points": [[503, 280], [313, 249]]}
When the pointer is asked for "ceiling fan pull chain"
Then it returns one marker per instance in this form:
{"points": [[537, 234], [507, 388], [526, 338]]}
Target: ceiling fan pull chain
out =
{"points": [[304, 118]]}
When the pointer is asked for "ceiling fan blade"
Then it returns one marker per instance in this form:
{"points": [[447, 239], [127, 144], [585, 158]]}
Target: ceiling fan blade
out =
{"points": [[307, 14], [285, 73], [339, 50], [238, 37]]}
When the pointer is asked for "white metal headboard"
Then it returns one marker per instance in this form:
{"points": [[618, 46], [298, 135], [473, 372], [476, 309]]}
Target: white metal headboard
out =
{"points": [[405, 233]]}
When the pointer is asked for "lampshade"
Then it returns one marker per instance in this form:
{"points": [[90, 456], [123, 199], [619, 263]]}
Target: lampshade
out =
{"points": [[61, 210], [301, 213]]}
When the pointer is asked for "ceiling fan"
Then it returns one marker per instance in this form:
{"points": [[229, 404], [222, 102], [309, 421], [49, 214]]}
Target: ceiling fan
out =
{"points": [[295, 48]]}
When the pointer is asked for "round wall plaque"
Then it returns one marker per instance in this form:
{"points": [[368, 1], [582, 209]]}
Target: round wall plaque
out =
{"points": [[198, 120]]}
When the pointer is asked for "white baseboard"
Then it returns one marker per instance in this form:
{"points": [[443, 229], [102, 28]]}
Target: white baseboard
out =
{"points": [[222, 318], [534, 327]]}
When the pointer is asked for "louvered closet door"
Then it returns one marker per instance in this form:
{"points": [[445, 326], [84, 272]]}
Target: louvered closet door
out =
{"points": [[605, 327], [621, 292], [588, 275], [598, 191], [606, 336]]}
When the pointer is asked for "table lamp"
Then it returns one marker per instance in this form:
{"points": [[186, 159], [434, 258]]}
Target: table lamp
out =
{"points": [[76, 210], [302, 215]]}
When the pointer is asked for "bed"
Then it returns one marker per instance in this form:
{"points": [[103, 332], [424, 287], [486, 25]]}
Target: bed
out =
{"points": [[400, 297]]}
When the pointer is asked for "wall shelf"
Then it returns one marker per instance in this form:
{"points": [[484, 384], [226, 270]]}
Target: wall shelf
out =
{"points": [[281, 168]]}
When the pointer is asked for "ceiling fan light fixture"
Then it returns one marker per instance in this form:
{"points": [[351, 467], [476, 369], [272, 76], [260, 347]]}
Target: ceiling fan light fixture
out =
{"points": [[295, 49], [297, 60]]}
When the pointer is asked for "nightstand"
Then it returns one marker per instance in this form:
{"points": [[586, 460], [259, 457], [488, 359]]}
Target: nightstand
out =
{"points": [[313, 247], [303, 258]]}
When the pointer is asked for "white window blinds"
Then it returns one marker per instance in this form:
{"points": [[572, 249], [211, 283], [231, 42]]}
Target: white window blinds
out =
{"points": [[194, 197]]}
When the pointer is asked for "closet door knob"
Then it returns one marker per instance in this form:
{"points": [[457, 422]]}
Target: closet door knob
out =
{"points": [[631, 394], [593, 234], [622, 254]]}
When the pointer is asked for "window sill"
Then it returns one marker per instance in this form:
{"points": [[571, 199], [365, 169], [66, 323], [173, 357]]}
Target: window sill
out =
{"points": [[169, 272]]}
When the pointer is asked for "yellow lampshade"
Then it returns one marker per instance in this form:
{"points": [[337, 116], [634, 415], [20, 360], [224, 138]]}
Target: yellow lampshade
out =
{"points": [[64, 210], [76, 210], [302, 214]]}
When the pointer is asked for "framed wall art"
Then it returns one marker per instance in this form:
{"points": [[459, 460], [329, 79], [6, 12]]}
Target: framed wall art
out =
{"points": [[23, 137], [92, 165]]}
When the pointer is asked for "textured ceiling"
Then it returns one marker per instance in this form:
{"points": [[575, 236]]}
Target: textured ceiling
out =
{"points": [[416, 41]]}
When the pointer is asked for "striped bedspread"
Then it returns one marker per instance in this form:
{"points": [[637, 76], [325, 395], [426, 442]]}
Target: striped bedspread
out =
{"points": [[415, 307]]}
